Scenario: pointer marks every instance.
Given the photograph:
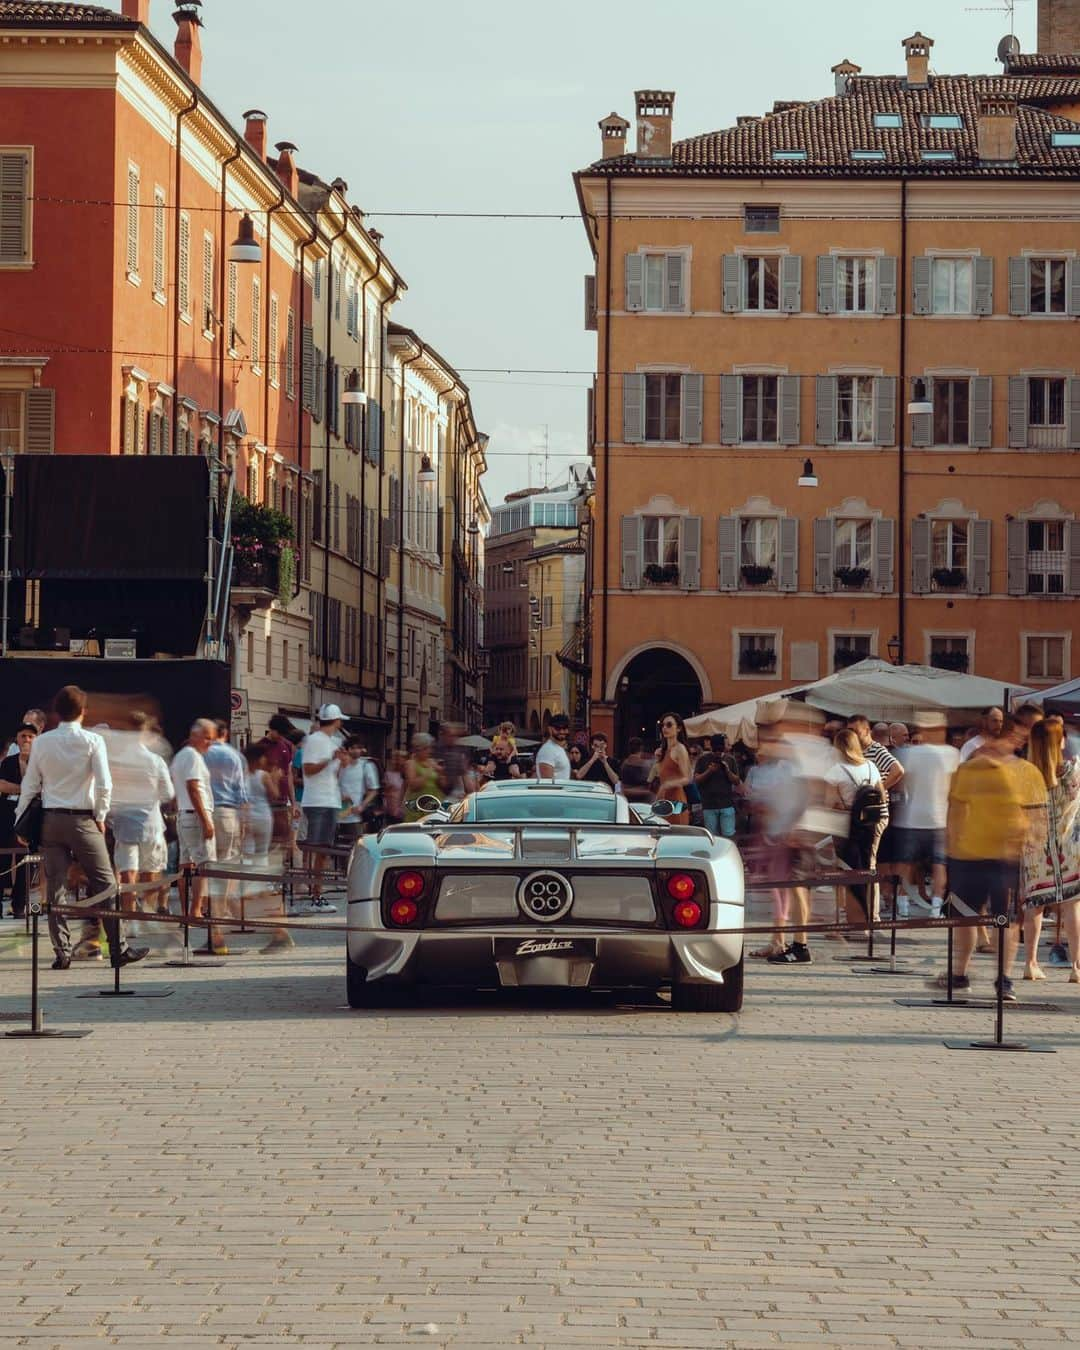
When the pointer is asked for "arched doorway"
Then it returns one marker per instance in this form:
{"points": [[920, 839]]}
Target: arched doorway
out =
{"points": [[654, 682]]}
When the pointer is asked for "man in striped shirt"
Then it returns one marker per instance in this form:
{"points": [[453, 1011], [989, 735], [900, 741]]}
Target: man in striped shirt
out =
{"points": [[891, 770]]}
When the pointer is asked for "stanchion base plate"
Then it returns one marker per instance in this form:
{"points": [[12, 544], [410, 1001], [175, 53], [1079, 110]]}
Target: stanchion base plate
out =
{"points": [[51, 1035], [846, 960], [128, 993], [1019, 1047], [887, 970], [983, 1003], [189, 965]]}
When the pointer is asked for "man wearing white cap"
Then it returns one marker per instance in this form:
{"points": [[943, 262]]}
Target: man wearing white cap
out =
{"points": [[321, 760]]}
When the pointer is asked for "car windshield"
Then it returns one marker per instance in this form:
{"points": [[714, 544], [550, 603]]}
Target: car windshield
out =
{"points": [[544, 806]]}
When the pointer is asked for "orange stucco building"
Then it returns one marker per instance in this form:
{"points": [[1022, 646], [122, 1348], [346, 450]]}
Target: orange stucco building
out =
{"points": [[884, 283]]}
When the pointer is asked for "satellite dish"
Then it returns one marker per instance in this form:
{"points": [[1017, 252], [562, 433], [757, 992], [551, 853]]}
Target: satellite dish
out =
{"points": [[1008, 47]]}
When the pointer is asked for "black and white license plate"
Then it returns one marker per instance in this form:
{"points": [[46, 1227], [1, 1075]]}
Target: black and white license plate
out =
{"points": [[544, 944]]}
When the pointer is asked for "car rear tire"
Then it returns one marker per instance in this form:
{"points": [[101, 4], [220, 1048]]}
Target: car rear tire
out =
{"points": [[364, 993], [726, 997]]}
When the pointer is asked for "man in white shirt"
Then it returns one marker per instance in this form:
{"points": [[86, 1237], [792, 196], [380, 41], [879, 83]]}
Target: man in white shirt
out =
{"points": [[922, 814], [141, 785], [321, 760], [195, 812], [359, 783], [552, 761], [990, 725], [70, 769]]}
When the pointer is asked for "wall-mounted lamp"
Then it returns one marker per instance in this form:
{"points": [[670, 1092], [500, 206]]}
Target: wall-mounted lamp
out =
{"points": [[920, 403], [245, 248], [808, 478], [354, 392], [427, 473], [893, 648]]}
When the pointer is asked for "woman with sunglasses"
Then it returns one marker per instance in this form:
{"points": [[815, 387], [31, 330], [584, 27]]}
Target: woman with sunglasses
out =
{"points": [[673, 771]]}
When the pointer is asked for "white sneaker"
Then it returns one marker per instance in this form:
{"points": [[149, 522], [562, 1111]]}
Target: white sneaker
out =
{"points": [[903, 909], [321, 907], [935, 909]]}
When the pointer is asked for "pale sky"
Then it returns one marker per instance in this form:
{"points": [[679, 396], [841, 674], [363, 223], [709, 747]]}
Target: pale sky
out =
{"points": [[485, 106]]}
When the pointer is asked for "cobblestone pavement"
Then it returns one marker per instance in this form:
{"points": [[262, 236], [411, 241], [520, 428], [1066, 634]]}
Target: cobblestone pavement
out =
{"points": [[248, 1163]]}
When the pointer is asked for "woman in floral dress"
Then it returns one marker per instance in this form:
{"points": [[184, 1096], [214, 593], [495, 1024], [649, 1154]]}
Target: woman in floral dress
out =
{"points": [[1051, 864]]}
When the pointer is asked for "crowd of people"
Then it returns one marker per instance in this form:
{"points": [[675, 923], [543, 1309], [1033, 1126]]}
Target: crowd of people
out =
{"points": [[987, 815]]}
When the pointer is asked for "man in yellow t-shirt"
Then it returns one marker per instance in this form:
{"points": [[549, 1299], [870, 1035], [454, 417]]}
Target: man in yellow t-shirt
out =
{"points": [[990, 799]]}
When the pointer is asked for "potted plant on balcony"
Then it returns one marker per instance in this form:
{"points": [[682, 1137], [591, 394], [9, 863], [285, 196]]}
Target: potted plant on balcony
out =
{"points": [[949, 578], [754, 574], [262, 543], [853, 578], [758, 660], [955, 661], [661, 574]]}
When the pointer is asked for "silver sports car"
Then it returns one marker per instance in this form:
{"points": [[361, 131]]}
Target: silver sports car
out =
{"points": [[547, 884]]}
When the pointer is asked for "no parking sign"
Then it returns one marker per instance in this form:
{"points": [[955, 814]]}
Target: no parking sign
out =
{"points": [[239, 721]]}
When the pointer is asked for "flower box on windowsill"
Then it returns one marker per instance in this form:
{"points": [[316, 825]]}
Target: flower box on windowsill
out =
{"points": [[666, 575], [757, 662], [949, 578], [754, 575], [852, 578], [955, 661]]}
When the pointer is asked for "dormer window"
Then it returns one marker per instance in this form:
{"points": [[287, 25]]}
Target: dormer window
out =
{"points": [[1064, 140], [888, 121], [937, 156], [943, 121], [789, 154], [876, 155]]}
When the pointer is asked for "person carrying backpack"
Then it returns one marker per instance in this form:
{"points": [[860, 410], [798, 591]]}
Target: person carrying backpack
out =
{"points": [[854, 785]]}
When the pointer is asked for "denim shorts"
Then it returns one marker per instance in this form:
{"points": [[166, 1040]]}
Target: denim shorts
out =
{"points": [[983, 882], [915, 846], [321, 824]]}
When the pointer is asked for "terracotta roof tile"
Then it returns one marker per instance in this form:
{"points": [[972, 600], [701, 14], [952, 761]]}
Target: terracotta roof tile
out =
{"points": [[1044, 63], [45, 13], [830, 129]]}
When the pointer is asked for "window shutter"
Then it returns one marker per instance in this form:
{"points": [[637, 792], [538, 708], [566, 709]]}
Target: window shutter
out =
{"points": [[788, 571], [690, 553], [290, 354], [373, 428], [255, 346], [673, 276], [984, 286], [885, 410], [1072, 414], [727, 549], [633, 392], [184, 246], [590, 416], [1072, 271], [590, 303], [733, 273], [152, 437], [40, 421], [159, 241], [886, 287], [922, 424], [1016, 548], [979, 533], [826, 284], [789, 409], [307, 367], [635, 282], [273, 343], [14, 173], [730, 409], [319, 390], [791, 283], [981, 423], [1019, 302], [825, 410], [1018, 411], [691, 409], [921, 530], [230, 307], [922, 272], [133, 221], [884, 548], [630, 536], [1072, 548], [824, 549], [165, 435]]}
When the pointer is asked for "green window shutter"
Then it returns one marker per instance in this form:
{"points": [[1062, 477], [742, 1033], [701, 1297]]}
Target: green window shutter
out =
{"points": [[824, 549], [1019, 296], [730, 409], [674, 289], [788, 389], [885, 410], [635, 282], [791, 283], [690, 553], [690, 418], [826, 284], [633, 389], [979, 537], [921, 274], [727, 549], [921, 532], [1018, 412], [886, 286], [984, 286], [981, 424], [1016, 556], [884, 533], [630, 539], [825, 410], [732, 278], [788, 570]]}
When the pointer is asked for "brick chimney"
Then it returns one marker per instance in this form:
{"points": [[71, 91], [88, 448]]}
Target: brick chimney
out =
{"points": [[997, 130], [843, 72], [1059, 25], [654, 115], [917, 51], [188, 47], [255, 131], [139, 10], [285, 168], [613, 129]]}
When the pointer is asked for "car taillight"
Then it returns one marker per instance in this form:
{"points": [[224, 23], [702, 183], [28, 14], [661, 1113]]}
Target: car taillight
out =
{"points": [[404, 912], [409, 886], [681, 886], [687, 914]]}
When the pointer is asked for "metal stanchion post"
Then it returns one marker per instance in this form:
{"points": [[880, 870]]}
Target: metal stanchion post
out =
{"points": [[999, 1042], [187, 871], [115, 948], [892, 968], [37, 1017]]}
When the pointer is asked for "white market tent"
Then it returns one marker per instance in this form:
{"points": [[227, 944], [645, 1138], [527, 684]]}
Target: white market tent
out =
{"points": [[738, 722], [1062, 698], [887, 693]]}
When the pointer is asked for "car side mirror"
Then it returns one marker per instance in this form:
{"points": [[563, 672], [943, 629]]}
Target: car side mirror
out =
{"points": [[663, 808], [428, 803]]}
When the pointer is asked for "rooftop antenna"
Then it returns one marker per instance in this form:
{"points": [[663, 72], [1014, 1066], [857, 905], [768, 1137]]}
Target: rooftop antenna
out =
{"points": [[1006, 7]]}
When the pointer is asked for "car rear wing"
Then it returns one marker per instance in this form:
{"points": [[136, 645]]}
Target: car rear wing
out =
{"points": [[490, 831]]}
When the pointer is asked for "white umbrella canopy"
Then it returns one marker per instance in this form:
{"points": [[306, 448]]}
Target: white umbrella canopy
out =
{"points": [[738, 721], [1062, 698], [887, 693]]}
